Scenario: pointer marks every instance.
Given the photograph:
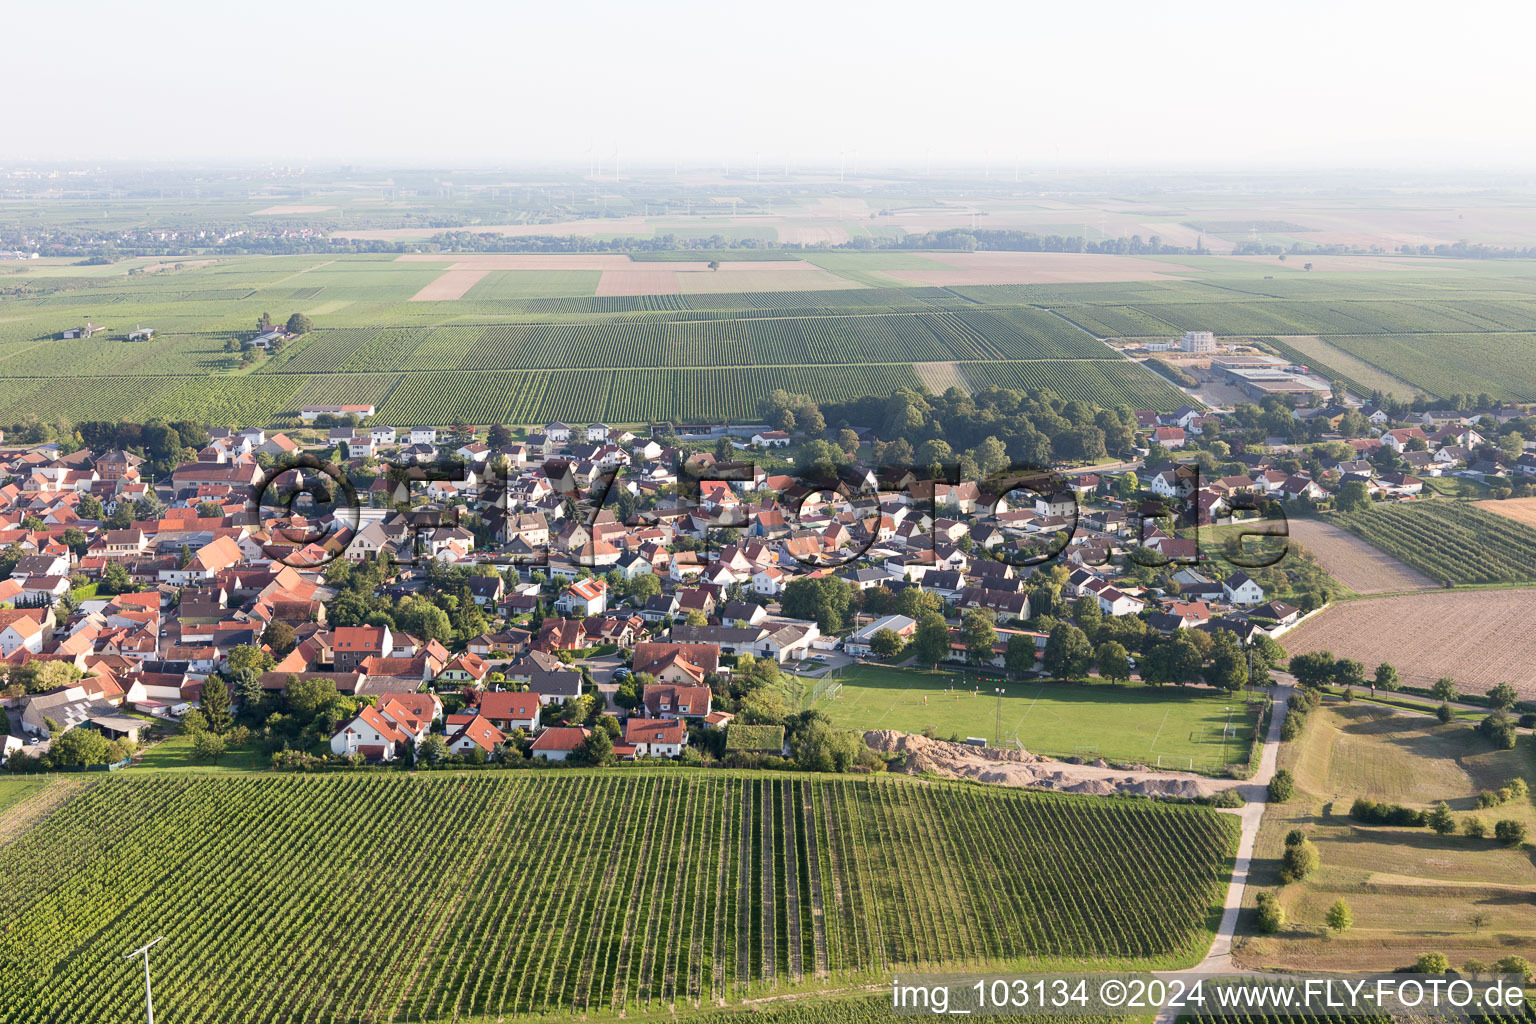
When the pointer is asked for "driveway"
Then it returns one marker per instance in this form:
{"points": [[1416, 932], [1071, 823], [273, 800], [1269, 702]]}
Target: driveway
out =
{"points": [[602, 670]]}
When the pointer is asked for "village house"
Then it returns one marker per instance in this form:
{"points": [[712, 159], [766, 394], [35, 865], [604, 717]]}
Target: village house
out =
{"points": [[655, 737]]}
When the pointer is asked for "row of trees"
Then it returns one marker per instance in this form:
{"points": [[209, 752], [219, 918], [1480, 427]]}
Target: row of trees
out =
{"points": [[1318, 669]]}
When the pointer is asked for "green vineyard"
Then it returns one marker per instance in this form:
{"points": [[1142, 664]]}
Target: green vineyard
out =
{"points": [[525, 346], [1450, 541], [698, 342], [469, 897], [1110, 383], [1501, 365]]}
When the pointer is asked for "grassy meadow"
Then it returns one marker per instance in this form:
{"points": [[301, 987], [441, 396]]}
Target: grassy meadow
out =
{"points": [[1410, 889], [1134, 723]]}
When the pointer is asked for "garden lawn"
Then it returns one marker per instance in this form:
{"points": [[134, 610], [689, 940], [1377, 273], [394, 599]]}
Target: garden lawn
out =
{"points": [[175, 753], [1129, 723]]}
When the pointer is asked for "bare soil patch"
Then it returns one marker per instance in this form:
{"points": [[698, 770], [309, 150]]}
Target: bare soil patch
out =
{"points": [[1032, 771], [1355, 563], [1479, 638], [450, 284], [762, 277], [526, 261], [638, 282]]}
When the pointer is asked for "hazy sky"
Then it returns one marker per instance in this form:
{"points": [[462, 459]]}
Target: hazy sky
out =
{"points": [[456, 82]]}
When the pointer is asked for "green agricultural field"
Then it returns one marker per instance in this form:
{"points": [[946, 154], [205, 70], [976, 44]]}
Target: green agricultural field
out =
{"points": [[1132, 723], [1410, 890], [498, 895], [1498, 364], [626, 359], [721, 351]]}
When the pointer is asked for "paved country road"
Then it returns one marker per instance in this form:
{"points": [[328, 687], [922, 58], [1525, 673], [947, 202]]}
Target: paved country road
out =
{"points": [[1218, 960]]}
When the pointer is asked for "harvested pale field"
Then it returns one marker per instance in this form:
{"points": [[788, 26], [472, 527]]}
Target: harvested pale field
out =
{"points": [[278, 211], [808, 234], [1330, 355], [596, 226], [155, 268], [695, 278], [795, 277], [1521, 510], [1479, 638], [1355, 563], [326, 308], [1348, 264], [841, 208], [1173, 233], [638, 282], [981, 268], [939, 377], [529, 261], [449, 285]]}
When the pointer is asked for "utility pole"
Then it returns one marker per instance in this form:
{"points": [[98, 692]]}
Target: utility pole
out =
{"points": [[997, 726], [149, 1003]]}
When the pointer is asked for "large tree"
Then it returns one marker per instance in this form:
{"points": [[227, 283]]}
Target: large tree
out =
{"points": [[279, 636], [80, 747], [979, 633], [1386, 678], [215, 704], [1068, 655], [886, 643], [1113, 662], [1349, 672], [1228, 667], [1314, 668], [930, 641], [1021, 653], [828, 600], [1354, 496]]}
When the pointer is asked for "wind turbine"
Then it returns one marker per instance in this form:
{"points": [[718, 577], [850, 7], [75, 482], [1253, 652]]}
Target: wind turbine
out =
{"points": [[149, 1003]]}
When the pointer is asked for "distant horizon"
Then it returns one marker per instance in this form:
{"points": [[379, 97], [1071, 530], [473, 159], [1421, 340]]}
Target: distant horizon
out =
{"points": [[1201, 83], [743, 170]]}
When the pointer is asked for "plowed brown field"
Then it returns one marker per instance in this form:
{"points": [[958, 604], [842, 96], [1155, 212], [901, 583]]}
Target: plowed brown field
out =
{"points": [[1479, 638]]}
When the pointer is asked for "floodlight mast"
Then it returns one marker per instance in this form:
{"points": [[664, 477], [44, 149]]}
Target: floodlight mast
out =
{"points": [[149, 1003]]}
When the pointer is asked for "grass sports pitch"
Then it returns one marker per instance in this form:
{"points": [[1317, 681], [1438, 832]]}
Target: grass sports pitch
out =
{"points": [[1132, 723]]}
